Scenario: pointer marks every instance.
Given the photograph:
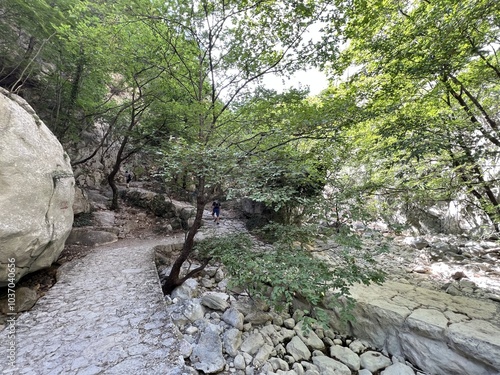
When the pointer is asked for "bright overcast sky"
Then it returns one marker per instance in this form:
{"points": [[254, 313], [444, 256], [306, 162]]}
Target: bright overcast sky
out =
{"points": [[313, 78]]}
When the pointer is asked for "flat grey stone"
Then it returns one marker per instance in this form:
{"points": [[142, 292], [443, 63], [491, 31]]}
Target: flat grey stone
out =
{"points": [[346, 356], [207, 355], [252, 343], [374, 361], [262, 355], [329, 366], [239, 362], [297, 349], [309, 337], [189, 289], [398, 369], [233, 317], [232, 341], [214, 302], [86, 237]]}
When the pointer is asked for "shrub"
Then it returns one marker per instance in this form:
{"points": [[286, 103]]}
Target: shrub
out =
{"points": [[286, 271]]}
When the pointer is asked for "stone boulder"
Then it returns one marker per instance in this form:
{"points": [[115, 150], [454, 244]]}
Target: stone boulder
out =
{"points": [[81, 203], [207, 355], [149, 200], [25, 299], [37, 190], [180, 214], [426, 327], [91, 237], [329, 366]]}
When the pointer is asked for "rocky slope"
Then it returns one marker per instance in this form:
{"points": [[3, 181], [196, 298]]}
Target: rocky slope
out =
{"points": [[223, 331]]}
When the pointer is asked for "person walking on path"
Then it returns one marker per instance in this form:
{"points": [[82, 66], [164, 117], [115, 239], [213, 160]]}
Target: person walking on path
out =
{"points": [[216, 211], [128, 178]]}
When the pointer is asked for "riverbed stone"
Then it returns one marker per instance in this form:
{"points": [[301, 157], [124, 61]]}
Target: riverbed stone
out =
{"points": [[232, 341], [258, 317], [398, 369], [346, 356], [188, 289], [215, 301], [357, 346], [329, 366], [298, 368], [252, 343], [374, 361], [186, 311], [298, 350], [239, 362], [262, 355], [279, 364], [274, 335], [185, 348], [309, 337], [233, 317], [207, 354]]}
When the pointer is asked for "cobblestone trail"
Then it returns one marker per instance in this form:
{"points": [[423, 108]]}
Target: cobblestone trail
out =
{"points": [[105, 315]]}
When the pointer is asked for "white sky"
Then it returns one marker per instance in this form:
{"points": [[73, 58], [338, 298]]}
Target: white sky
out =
{"points": [[313, 78]]}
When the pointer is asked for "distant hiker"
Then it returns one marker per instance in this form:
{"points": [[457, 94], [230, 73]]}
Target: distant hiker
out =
{"points": [[216, 211], [128, 177]]}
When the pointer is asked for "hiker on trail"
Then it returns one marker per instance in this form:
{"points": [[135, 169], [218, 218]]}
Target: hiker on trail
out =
{"points": [[128, 177], [216, 211]]}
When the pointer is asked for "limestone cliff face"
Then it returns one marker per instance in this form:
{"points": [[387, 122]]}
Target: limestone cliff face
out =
{"points": [[36, 190]]}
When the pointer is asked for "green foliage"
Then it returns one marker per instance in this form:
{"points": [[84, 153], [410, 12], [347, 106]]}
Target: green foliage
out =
{"points": [[286, 271], [420, 102], [283, 182]]}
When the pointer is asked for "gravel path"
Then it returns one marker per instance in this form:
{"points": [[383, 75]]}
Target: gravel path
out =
{"points": [[105, 315]]}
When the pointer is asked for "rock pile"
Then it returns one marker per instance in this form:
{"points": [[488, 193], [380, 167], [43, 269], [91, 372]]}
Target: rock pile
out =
{"points": [[456, 265], [409, 262], [227, 333], [180, 215]]}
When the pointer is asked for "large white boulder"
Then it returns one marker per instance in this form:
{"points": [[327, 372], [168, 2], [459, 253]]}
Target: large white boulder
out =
{"points": [[440, 333], [36, 190]]}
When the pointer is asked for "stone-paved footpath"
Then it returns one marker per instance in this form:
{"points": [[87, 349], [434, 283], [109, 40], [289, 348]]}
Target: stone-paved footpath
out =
{"points": [[105, 315]]}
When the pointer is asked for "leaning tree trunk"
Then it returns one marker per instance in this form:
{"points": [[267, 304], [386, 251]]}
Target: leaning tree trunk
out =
{"points": [[114, 188], [174, 279]]}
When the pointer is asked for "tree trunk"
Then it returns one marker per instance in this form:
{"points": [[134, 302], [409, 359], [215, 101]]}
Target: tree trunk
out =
{"points": [[486, 198], [174, 280], [112, 184]]}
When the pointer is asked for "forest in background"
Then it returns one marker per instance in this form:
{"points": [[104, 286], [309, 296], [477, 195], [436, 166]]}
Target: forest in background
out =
{"points": [[416, 124]]}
